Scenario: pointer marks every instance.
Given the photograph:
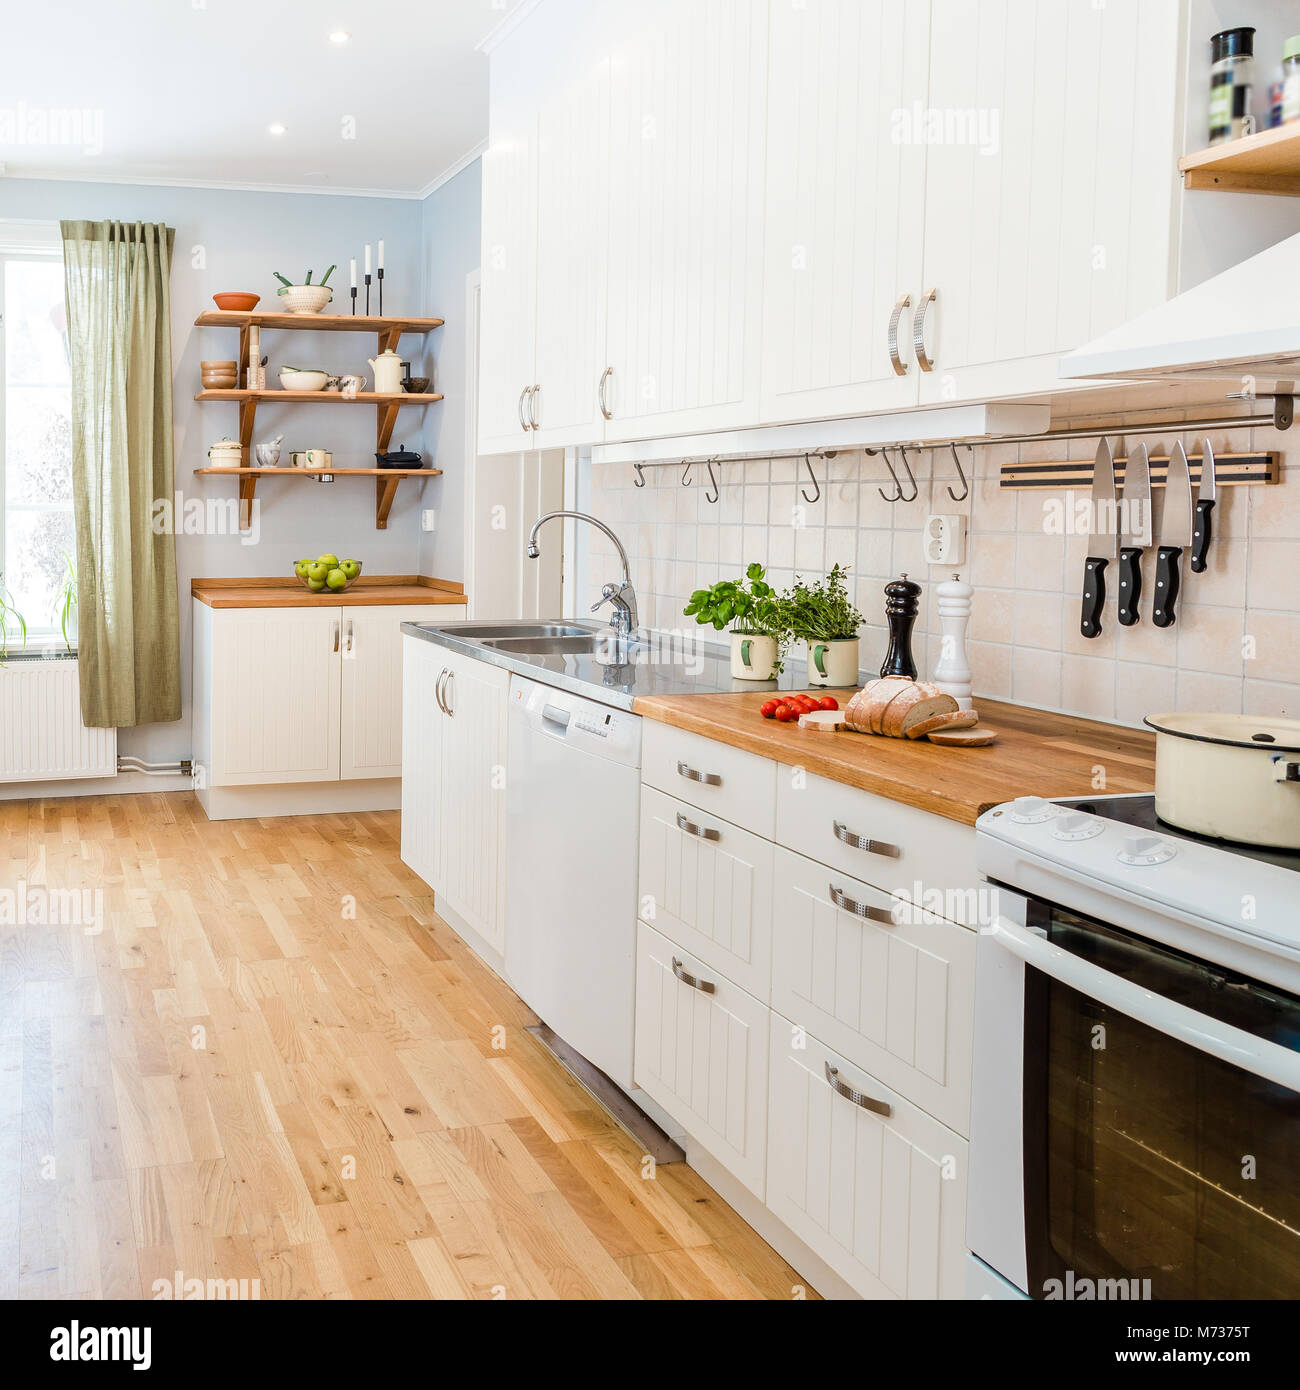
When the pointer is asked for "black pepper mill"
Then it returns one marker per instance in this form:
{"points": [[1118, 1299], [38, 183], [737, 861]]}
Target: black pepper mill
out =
{"points": [[902, 602]]}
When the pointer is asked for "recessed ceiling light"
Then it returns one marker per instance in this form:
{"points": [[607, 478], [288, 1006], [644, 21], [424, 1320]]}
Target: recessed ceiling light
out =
{"points": [[340, 36], [276, 128]]}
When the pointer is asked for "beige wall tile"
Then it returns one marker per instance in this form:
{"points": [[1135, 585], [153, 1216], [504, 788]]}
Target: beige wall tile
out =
{"points": [[1143, 690], [1209, 639], [1088, 686], [1036, 678], [990, 666], [1274, 575], [1271, 698]]}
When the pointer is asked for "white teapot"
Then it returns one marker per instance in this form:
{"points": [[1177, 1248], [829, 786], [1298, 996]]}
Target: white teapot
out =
{"points": [[387, 368]]}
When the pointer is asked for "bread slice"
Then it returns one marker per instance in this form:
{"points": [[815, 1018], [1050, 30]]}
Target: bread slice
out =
{"points": [[959, 719], [964, 738]]}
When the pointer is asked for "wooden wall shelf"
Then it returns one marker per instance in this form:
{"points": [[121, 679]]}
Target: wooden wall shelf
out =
{"points": [[1266, 162], [387, 327], [386, 481]]}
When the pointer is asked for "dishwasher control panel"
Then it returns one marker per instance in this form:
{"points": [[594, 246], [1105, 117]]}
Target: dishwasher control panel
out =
{"points": [[581, 723]]}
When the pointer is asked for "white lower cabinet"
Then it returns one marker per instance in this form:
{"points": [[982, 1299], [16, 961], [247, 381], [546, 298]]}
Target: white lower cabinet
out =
{"points": [[881, 1197], [701, 1053]]}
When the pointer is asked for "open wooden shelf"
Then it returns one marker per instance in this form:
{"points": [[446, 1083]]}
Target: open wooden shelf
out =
{"points": [[386, 481], [272, 393], [388, 328], [1266, 162]]}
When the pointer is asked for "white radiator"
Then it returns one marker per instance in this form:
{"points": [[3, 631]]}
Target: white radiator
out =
{"points": [[41, 734]]}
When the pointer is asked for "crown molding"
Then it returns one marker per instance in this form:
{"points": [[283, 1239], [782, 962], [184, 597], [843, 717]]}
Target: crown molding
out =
{"points": [[220, 185], [452, 170], [507, 26]]}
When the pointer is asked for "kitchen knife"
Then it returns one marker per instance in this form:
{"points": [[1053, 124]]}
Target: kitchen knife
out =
{"points": [[1175, 533], [1135, 533], [1205, 499], [1101, 543]]}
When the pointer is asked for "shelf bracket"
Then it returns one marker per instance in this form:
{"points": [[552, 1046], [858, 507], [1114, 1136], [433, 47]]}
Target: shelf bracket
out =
{"points": [[386, 422], [389, 338], [247, 487], [385, 492], [247, 414]]}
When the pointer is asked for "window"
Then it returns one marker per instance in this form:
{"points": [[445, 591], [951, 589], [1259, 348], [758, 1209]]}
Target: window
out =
{"points": [[36, 527]]}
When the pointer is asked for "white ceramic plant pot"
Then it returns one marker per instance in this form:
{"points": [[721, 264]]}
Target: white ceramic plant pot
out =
{"points": [[753, 657], [833, 663]]}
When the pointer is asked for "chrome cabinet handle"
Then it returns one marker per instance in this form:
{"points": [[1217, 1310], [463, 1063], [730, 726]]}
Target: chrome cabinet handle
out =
{"points": [[918, 330], [437, 689], [336, 636], [704, 986], [600, 393], [447, 692], [523, 424], [855, 841], [534, 395], [709, 779], [877, 1107], [900, 367], [873, 914], [351, 634], [691, 828]]}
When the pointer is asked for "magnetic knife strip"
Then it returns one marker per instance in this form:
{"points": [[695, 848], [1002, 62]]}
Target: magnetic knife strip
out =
{"points": [[1230, 470]]}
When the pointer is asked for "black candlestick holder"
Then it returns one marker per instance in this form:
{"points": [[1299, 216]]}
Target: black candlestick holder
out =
{"points": [[367, 294], [902, 603], [380, 274], [354, 298]]}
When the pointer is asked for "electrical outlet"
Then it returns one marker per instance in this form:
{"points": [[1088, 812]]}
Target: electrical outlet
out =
{"points": [[945, 540], [428, 518]]}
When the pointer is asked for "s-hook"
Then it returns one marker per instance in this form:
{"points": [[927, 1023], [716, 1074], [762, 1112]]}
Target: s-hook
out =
{"points": [[817, 487], [713, 483], [911, 477], [898, 487], [686, 474], [965, 485], [640, 475]]}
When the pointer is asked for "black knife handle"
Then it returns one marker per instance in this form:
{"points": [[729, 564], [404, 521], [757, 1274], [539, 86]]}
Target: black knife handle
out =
{"points": [[1094, 595], [1201, 535], [1130, 584], [1167, 558]]}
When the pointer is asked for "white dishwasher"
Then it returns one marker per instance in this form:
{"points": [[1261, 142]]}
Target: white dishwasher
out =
{"points": [[572, 799]]}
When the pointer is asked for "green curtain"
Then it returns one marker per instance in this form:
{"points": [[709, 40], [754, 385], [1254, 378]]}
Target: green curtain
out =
{"points": [[119, 342]]}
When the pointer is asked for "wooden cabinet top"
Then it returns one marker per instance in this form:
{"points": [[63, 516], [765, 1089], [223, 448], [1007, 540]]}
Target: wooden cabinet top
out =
{"points": [[289, 592]]}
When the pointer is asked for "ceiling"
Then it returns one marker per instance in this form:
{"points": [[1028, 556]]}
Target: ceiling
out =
{"points": [[185, 91]]}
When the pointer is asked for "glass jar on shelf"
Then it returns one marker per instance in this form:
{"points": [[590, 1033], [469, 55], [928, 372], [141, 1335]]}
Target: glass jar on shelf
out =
{"points": [[1232, 79]]}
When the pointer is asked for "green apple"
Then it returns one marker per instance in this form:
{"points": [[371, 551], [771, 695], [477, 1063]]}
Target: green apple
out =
{"points": [[318, 569], [329, 561], [351, 568], [300, 569], [315, 585], [336, 579]]}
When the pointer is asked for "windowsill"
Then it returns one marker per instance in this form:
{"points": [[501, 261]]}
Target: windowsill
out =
{"points": [[33, 653]]}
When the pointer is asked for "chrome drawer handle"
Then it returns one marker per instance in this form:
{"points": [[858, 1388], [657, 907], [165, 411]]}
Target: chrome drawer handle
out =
{"points": [[918, 331], [872, 914], [600, 394], [523, 424], [691, 828], [856, 841], [900, 367], [704, 986], [710, 779], [877, 1107]]}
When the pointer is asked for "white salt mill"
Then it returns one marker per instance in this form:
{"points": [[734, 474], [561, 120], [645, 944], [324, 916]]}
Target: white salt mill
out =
{"points": [[952, 672]]}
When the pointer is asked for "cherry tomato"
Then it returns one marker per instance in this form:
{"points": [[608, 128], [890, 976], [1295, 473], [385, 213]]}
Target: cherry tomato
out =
{"points": [[828, 702], [784, 714], [769, 708]]}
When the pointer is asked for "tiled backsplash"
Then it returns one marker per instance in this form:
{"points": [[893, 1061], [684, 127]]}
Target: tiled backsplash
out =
{"points": [[1235, 645]]}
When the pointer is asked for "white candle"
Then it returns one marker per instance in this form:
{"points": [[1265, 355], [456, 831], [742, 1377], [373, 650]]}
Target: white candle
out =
{"points": [[367, 258], [381, 255], [354, 272]]}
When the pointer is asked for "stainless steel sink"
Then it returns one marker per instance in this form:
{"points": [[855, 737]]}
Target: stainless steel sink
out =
{"points": [[490, 634], [549, 645]]}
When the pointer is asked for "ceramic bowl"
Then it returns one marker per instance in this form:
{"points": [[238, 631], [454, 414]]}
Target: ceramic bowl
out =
{"points": [[417, 385], [237, 300], [294, 379], [219, 368], [305, 299]]}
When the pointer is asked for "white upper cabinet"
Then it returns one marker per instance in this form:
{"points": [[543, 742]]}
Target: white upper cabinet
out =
{"points": [[845, 205], [689, 111], [1051, 152]]}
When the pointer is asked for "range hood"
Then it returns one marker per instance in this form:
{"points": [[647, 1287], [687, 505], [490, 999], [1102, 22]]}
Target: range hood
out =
{"points": [[1243, 323]]}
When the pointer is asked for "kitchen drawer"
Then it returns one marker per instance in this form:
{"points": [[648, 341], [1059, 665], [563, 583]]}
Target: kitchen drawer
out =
{"points": [[710, 892], [896, 997], [702, 1055], [909, 853], [881, 1198], [741, 786]]}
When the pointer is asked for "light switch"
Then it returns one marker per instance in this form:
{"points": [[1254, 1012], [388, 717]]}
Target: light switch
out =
{"points": [[427, 519]]}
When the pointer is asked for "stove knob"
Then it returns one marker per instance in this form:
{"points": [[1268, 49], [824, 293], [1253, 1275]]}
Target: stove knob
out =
{"points": [[1077, 826], [1143, 850], [1031, 810]]}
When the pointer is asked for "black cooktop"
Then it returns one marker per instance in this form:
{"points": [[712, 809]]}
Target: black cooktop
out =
{"points": [[1140, 812]]}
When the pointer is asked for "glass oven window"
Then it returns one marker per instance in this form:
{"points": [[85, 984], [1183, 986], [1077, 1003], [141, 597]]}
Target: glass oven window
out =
{"points": [[1145, 1158]]}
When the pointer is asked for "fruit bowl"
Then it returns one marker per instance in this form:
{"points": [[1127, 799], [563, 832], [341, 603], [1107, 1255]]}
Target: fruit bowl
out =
{"points": [[327, 575], [239, 301]]}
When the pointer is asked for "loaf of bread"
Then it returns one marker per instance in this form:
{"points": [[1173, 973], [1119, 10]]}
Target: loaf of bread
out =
{"points": [[894, 705]]}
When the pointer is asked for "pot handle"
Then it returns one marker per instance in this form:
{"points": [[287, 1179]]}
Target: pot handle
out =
{"points": [[819, 655], [1284, 771], [745, 647]]}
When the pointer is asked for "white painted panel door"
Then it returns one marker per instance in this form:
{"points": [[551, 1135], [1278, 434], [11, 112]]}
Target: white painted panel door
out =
{"points": [[472, 806], [688, 99], [1050, 183], [711, 892], [844, 205], [881, 1198], [371, 717], [275, 695], [422, 723], [896, 998], [572, 247], [702, 1055]]}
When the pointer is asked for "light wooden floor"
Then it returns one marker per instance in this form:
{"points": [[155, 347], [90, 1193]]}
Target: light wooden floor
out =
{"points": [[275, 1062]]}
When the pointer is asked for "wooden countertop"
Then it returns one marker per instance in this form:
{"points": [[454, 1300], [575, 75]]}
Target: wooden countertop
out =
{"points": [[289, 592], [1037, 754]]}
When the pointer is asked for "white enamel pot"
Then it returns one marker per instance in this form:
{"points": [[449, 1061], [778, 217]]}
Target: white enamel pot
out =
{"points": [[753, 657], [833, 663], [1229, 776]]}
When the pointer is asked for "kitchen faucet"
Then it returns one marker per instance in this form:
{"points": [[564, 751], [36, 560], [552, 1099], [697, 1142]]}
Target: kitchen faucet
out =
{"points": [[624, 618]]}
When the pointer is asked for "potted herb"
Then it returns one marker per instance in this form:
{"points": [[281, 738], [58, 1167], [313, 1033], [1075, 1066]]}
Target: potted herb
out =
{"points": [[65, 601], [752, 610], [822, 615]]}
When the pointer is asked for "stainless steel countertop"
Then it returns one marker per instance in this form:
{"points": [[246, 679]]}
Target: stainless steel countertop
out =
{"points": [[655, 665]]}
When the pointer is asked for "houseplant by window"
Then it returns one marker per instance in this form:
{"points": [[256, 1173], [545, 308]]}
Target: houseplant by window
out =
{"points": [[823, 615], [752, 610], [11, 620]]}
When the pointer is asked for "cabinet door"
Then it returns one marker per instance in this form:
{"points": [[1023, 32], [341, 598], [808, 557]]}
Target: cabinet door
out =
{"points": [[371, 717], [572, 241], [688, 95], [881, 1198], [844, 205], [423, 847], [472, 804], [1050, 180], [275, 695]]}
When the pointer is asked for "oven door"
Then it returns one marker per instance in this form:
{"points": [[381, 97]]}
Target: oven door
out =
{"points": [[1136, 1116]]}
